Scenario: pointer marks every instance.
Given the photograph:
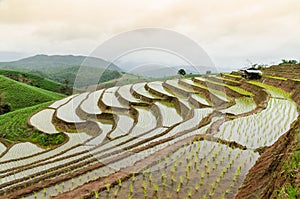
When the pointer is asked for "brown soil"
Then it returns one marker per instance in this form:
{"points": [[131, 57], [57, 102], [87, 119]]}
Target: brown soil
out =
{"points": [[5, 142]]}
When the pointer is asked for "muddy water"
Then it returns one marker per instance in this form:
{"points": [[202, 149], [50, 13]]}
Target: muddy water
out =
{"points": [[198, 170]]}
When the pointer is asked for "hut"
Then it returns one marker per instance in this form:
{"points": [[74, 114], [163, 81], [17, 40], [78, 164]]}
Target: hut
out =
{"points": [[251, 73]]}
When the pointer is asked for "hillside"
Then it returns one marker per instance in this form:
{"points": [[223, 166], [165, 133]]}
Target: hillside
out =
{"points": [[62, 68], [37, 81], [285, 71], [182, 138], [19, 95]]}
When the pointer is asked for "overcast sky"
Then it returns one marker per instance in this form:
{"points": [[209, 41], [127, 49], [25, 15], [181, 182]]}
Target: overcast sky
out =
{"points": [[231, 31]]}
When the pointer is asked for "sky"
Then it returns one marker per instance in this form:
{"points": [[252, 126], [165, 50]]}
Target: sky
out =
{"points": [[233, 33]]}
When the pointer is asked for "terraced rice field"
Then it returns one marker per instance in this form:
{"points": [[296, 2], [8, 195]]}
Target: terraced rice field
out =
{"points": [[90, 105], [21, 150], [243, 105], [43, 121], [264, 128], [177, 138]]}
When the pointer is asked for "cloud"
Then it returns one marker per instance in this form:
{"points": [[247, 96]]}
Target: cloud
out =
{"points": [[235, 29]]}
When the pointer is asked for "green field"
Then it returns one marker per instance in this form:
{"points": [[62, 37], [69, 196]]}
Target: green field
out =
{"points": [[24, 100], [35, 80], [18, 95]]}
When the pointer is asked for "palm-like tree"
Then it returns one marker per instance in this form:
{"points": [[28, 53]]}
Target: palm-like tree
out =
{"points": [[181, 72]]}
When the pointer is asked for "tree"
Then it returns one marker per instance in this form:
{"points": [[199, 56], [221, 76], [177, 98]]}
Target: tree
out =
{"points": [[2, 95], [67, 81], [66, 89], [108, 75], [4, 108], [284, 61], [181, 72], [208, 72]]}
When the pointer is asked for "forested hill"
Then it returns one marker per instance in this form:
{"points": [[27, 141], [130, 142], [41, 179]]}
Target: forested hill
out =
{"points": [[65, 68]]}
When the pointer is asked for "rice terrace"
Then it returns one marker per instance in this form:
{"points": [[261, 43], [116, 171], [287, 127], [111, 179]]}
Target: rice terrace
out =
{"points": [[211, 136], [139, 99]]}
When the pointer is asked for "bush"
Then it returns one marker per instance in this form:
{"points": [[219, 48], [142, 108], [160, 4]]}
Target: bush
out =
{"points": [[292, 62]]}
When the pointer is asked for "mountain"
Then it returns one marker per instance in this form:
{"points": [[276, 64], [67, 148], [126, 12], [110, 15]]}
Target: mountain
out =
{"points": [[66, 68], [47, 62]]}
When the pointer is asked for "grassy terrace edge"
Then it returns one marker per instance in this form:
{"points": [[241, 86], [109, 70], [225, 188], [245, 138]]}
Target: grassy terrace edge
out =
{"points": [[14, 128]]}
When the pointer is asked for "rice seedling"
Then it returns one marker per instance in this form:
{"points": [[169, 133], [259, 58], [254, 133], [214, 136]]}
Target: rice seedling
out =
{"points": [[107, 187], [155, 187], [131, 189], [96, 194]]}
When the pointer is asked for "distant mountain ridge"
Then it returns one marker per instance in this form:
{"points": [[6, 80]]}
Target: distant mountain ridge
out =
{"points": [[41, 61]]}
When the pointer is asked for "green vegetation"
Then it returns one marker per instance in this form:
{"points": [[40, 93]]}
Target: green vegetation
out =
{"points": [[289, 62], [288, 192], [280, 78], [181, 72], [231, 75], [13, 127], [293, 165], [240, 90], [191, 75], [37, 81], [61, 68], [81, 77], [4, 108], [273, 90], [128, 78], [273, 77], [23, 100], [109, 75], [234, 88], [44, 62], [19, 95]]}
